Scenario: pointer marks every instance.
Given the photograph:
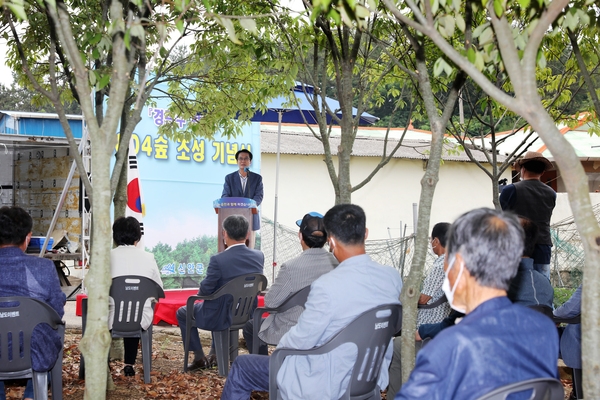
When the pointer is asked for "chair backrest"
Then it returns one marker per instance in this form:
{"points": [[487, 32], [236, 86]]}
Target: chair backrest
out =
{"points": [[18, 318], [243, 289], [296, 299], [130, 293], [540, 388]]}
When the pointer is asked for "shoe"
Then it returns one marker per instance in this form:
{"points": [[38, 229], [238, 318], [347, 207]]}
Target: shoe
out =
{"points": [[212, 360], [128, 371], [199, 364]]}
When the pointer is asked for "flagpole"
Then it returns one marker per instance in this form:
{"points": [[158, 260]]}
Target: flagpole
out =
{"points": [[280, 115]]}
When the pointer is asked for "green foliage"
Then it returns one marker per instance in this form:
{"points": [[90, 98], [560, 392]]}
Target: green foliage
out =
{"points": [[561, 295]]}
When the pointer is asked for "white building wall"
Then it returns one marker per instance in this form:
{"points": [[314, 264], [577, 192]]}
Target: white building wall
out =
{"points": [[304, 186]]}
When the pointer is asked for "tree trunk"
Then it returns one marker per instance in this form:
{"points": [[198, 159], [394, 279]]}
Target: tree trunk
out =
{"points": [[96, 340], [577, 185]]}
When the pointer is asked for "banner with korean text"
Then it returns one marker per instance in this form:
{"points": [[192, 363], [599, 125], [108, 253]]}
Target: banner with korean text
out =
{"points": [[181, 179]]}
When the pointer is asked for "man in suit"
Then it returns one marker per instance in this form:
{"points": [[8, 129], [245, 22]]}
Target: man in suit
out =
{"points": [[214, 315], [244, 183], [356, 285], [294, 275], [29, 276]]}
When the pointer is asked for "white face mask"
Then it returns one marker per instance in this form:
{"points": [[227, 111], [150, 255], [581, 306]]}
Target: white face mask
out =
{"points": [[449, 292]]}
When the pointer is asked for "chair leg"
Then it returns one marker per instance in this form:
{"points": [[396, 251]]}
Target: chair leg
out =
{"points": [[234, 342], [221, 339], [147, 354], [577, 383], [40, 385], [186, 345]]}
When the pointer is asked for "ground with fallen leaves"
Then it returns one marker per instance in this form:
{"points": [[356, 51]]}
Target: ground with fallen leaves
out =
{"points": [[168, 380]]}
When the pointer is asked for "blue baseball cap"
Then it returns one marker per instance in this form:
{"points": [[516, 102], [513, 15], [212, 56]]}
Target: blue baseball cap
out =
{"points": [[312, 214]]}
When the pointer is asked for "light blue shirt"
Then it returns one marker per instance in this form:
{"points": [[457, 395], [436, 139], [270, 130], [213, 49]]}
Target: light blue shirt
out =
{"points": [[336, 299]]}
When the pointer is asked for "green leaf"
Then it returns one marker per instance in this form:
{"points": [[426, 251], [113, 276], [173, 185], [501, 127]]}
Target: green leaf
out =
{"points": [[249, 24], [441, 66], [460, 22], [16, 6], [571, 20], [435, 5], [95, 53], [498, 8], [137, 30], [449, 23], [479, 63], [471, 55], [361, 11], [127, 39], [92, 77], [372, 4], [479, 30], [541, 59], [486, 36], [103, 81], [524, 3], [179, 26], [228, 25]]}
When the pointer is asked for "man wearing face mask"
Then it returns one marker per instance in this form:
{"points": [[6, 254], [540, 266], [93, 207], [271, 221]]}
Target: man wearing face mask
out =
{"points": [[356, 285], [497, 342]]}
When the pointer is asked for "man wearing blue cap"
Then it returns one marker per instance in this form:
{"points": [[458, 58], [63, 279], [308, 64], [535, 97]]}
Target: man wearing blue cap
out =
{"points": [[293, 276]]}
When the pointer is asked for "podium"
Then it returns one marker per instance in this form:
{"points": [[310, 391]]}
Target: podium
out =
{"points": [[227, 206]]}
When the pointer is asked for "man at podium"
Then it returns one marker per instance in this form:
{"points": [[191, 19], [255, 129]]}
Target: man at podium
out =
{"points": [[244, 183]]}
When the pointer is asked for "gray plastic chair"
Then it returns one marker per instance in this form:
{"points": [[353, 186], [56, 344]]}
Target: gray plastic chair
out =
{"points": [[19, 316], [130, 293], [577, 373], [294, 300], [243, 290], [541, 389], [371, 332]]}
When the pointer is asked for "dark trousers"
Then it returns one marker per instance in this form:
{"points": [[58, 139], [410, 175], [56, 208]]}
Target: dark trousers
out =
{"points": [[248, 372], [130, 346], [248, 332], [195, 344]]}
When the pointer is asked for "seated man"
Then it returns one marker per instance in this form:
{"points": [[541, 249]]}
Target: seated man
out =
{"points": [[497, 342], [293, 276], [336, 299], [570, 340], [529, 287], [214, 315], [29, 276]]}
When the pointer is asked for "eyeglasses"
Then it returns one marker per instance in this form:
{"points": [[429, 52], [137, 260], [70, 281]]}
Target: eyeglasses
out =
{"points": [[243, 158]]}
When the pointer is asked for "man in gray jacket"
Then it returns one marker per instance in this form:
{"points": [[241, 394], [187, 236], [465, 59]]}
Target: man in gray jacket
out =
{"points": [[293, 276]]}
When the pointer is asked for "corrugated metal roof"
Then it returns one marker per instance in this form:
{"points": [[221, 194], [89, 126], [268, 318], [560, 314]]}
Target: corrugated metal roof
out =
{"points": [[307, 144]]}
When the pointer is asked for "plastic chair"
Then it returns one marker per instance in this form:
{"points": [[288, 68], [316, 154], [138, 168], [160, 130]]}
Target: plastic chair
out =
{"points": [[19, 316], [541, 389], [130, 293], [371, 332], [294, 300], [244, 289]]}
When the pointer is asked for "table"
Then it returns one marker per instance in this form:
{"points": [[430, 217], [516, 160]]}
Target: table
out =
{"points": [[166, 309]]}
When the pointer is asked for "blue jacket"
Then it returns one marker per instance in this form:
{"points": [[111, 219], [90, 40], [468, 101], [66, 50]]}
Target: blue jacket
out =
{"points": [[496, 344], [254, 191], [35, 277], [238, 260], [570, 341]]}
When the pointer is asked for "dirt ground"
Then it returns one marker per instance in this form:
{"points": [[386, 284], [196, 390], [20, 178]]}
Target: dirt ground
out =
{"points": [[168, 380]]}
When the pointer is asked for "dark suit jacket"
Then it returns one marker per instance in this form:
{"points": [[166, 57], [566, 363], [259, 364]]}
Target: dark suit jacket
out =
{"points": [[254, 191], [238, 260]]}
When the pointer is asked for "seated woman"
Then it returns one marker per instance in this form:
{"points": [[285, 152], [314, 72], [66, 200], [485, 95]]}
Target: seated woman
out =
{"points": [[127, 259]]}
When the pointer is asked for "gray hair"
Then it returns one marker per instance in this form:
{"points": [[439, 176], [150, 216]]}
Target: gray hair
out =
{"points": [[236, 227], [490, 243]]}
